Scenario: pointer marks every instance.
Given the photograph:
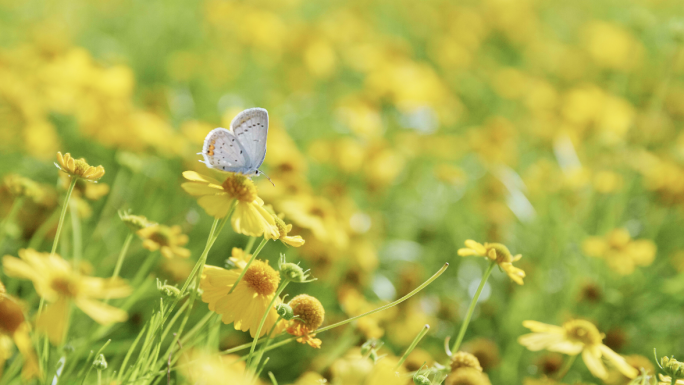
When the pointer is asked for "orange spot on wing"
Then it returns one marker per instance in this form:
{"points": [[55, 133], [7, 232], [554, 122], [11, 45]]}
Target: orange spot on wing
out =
{"points": [[211, 148]]}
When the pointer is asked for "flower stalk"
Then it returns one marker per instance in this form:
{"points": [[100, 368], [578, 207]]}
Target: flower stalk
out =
{"points": [[471, 309]]}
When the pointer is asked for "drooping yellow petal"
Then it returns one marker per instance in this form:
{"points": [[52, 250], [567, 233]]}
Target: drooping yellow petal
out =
{"points": [[217, 205], [22, 339], [105, 288], [15, 267], [53, 320], [592, 358], [619, 362], [100, 312], [540, 327], [248, 220]]}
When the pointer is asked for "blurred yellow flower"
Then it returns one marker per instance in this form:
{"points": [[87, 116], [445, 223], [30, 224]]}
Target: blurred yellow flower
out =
{"points": [[79, 168], [464, 360], [15, 329], [575, 337], [621, 252], [59, 284], [497, 253], [247, 304], [19, 186], [309, 315], [166, 239], [204, 367], [284, 229], [217, 199], [467, 376]]}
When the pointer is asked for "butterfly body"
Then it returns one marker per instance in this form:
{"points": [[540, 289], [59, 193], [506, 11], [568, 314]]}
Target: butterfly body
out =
{"points": [[242, 148]]}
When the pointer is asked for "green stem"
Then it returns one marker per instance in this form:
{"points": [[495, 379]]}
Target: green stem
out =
{"points": [[263, 320], [471, 309], [63, 214], [269, 339], [76, 234], [566, 367], [329, 327], [242, 274], [250, 244], [122, 255], [16, 205], [413, 345]]}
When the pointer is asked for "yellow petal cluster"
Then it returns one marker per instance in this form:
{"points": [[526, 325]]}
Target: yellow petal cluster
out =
{"points": [[169, 240], [60, 285], [576, 337], [622, 253], [218, 198], [497, 253], [79, 168]]}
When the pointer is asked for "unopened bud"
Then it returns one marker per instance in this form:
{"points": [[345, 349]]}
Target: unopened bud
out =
{"points": [[100, 363]]}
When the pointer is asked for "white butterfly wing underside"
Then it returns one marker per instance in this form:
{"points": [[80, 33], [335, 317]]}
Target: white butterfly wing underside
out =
{"points": [[241, 149]]}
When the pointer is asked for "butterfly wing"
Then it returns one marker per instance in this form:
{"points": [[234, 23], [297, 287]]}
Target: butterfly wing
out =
{"points": [[251, 129], [223, 151]]}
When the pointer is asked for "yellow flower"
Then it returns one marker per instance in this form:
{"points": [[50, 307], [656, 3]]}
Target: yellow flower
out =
{"points": [[79, 168], [667, 380], [575, 337], [167, 239], [216, 198], [467, 376], [134, 222], [19, 186], [622, 253], [464, 360], [284, 229], [203, 367], [246, 305], [309, 315], [498, 253], [59, 284], [14, 328], [239, 257]]}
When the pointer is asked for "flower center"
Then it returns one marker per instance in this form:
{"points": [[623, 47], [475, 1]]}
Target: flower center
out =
{"points": [[161, 237], [64, 286], [308, 310], [262, 278], [502, 252], [582, 331], [240, 187], [11, 316], [80, 166]]}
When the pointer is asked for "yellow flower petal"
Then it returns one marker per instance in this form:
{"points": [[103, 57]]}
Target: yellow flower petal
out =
{"points": [[195, 177], [102, 313], [592, 358], [217, 206], [619, 362], [199, 189], [53, 320]]}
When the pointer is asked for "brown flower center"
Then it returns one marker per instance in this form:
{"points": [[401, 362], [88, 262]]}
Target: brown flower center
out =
{"points": [[582, 331], [64, 286], [262, 278], [240, 187], [308, 310]]}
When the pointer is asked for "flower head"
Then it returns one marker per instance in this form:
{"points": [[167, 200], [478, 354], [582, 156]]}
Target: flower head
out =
{"points": [[467, 376], [246, 305], [622, 253], [309, 315], [217, 198], [575, 337], [19, 186], [464, 360], [284, 229], [14, 328], [167, 239], [79, 168], [59, 284], [134, 222], [498, 253]]}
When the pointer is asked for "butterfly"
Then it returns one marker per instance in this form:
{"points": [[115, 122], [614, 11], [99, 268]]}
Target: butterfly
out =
{"points": [[241, 149]]}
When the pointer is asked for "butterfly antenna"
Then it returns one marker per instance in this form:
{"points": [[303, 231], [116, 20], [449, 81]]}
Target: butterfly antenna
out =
{"points": [[269, 179]]}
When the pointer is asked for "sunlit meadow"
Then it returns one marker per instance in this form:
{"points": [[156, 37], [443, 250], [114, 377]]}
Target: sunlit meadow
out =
{"points": [[463, 193]]}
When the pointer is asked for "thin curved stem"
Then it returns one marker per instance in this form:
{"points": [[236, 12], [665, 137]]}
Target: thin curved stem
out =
{"points": [[566, 367], [122, 255], [263, 320], [471, 309], [16, 206], [63, 214], [329, 327]]}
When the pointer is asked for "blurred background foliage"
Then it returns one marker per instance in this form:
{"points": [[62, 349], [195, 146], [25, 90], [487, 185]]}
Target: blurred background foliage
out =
{"points": [[398, 130]]}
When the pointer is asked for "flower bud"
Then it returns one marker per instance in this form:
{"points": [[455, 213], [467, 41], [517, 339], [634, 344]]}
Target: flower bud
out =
{"points": [[170, 291], [100, 363], [421, 380], [285, 311]]}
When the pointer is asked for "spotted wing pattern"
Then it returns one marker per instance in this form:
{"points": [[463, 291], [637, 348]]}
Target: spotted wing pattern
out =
{"points": [[223, 151], [251, 129]]}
